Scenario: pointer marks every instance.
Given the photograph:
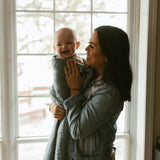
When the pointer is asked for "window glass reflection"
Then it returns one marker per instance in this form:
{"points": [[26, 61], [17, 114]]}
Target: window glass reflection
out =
{"points": [[35, 119], [121, 149], [34, 32], [34, 5], [72, 5], [118, 20], [34, 75], [31, 151], [81, 23], [110, 5]]}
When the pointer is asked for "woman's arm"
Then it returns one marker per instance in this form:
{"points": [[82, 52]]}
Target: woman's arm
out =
{"points": [[58, 112], [84, 120], [52, 94], [54, 97]]}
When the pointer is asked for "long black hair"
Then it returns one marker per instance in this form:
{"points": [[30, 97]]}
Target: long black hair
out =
{"points": [[115, 46]]}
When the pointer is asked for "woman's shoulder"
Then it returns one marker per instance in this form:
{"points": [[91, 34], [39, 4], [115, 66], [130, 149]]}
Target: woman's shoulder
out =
{"points": [[109, 93], [102, 87]]}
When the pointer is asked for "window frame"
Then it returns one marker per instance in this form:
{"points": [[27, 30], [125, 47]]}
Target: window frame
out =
{"points": [[143, 46], [9, 119]]}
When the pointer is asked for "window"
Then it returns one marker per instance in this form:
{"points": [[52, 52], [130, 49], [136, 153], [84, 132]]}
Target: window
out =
{"points": [[36, 24], [30, 70]]}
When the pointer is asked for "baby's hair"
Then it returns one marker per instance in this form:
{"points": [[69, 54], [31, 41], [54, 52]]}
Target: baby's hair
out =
{"points": [[69, 29]]}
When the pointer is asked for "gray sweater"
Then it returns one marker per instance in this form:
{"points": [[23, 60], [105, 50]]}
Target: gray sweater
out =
{"points": [[59, 91], [91, 117]]}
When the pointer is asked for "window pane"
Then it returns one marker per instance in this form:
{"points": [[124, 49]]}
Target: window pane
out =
{"points": [[34, 75], [81, 23], [34, 4], [110, 5], [122, 120], [118, 20], [34, 32], [121, 149], [34, 116], [31, 151], [72, 5]]}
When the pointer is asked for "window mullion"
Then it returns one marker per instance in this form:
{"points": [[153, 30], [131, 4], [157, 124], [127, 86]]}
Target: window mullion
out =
{"points": [[81, 12], [32, 139]]}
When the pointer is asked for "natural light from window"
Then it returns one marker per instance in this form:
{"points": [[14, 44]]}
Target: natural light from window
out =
{"points": [[36, 23]]}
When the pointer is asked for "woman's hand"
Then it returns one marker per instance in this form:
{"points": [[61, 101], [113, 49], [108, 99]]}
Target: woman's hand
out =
{"points": [[58, 112], [73, 77]]}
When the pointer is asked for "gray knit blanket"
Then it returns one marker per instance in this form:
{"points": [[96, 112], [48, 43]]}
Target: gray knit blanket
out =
{"points": [[57, 145]]}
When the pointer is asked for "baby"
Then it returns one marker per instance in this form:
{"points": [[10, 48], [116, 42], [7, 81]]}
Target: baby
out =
{"points": [[65, 45]]}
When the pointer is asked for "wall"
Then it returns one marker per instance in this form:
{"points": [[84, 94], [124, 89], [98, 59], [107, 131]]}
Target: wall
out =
{"points": [[157, 81]]}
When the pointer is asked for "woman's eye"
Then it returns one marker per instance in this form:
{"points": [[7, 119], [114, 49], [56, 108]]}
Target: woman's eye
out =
{"points": [[59, 44], [91, 46]]}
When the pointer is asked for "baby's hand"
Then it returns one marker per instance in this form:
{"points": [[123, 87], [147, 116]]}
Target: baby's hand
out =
{"points": [[58, 112]]}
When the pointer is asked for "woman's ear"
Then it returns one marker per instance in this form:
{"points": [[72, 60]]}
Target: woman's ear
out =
{"points": [[77, 45], [54, 48]]}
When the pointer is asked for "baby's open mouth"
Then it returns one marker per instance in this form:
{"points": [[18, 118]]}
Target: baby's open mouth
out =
{"points": [[65, 52]]}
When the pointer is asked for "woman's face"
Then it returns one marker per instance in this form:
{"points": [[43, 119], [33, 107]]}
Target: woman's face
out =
{"points": [[95, 58]]}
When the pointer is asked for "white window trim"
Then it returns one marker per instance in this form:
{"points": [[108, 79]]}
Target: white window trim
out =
{"points": [[9, 147], [142, 106], [146, 127]]}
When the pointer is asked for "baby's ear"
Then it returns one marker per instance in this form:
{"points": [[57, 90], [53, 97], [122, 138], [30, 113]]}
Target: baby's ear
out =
{"points": [[54, 48], [77, 45]]}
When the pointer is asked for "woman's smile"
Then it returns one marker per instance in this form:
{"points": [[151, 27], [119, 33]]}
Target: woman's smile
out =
{"points": [[87, 58]]}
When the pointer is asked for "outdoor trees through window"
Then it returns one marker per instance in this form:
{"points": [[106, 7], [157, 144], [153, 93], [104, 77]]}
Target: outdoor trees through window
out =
{"points": [[36, 23]]}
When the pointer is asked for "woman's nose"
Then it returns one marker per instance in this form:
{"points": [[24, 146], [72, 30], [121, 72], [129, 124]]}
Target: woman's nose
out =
{"points": [[86, 48]]}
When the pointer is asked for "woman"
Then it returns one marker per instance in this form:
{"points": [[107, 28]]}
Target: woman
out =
{"points": [[92, 114]]}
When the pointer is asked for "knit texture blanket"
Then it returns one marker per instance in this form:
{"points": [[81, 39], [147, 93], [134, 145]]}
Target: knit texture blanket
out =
{"points": [[56, 148]]}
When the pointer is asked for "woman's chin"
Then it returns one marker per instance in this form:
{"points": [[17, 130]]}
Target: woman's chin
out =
{"points": [[87, 63]]}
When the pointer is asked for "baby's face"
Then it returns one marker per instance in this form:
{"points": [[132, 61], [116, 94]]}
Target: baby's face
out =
{"points": [[65, 43]]}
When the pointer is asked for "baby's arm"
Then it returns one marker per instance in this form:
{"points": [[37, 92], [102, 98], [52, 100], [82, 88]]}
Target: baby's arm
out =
{"points": [[54, 98]]}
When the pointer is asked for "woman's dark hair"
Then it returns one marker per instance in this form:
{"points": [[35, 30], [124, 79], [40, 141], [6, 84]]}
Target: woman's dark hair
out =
{"points": [[114, 45]]}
